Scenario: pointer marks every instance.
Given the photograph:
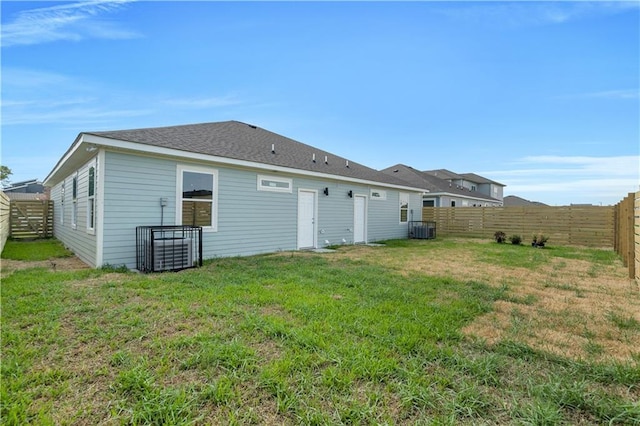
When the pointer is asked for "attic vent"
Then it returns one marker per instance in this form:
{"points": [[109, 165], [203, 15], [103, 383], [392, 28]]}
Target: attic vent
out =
{"points": [[347, 163], [252, 126], [313, 158], [395, 171], [273, 148], [326, 160]]}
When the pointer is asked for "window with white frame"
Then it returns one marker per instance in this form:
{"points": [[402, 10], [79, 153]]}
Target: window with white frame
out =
{"points": [[62, 202], [378, 194], [74, 201], [198, 197], [91, 200], [404, 207], [274, 184]]}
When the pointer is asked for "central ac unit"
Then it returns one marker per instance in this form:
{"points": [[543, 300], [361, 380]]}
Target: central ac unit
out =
{"points": [[172, 254]]}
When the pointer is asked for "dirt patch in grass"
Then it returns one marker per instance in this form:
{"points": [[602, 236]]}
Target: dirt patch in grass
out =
{"points": [[8, 266], [564, 306]]}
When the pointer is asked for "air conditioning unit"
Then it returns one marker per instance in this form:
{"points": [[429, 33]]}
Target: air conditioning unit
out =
{"points": [[172, 254]]}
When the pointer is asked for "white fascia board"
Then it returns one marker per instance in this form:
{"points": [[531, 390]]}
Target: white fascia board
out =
{"points": [[170, 152]]}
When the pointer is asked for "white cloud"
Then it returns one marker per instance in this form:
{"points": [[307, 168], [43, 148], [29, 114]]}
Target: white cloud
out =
{"points": [[571, 179], [73, 22]]}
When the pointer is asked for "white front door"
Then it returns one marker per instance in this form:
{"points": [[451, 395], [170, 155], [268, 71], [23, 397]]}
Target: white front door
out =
{"points": [[359, 219], [306, 219]]}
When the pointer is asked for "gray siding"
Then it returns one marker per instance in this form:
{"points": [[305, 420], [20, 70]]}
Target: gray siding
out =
{"points": [[77, 239], [249, 221]]}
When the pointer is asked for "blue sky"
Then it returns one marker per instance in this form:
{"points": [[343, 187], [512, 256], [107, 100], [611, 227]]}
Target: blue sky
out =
{"points": [[540, 96]]}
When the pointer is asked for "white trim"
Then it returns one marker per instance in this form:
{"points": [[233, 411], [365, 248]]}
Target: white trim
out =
{"points": [[214, 208], [315, 218], [93, 163], [115, 143], [99, 233], [365, 219], [401, 197], [278, 179], [74, 200], [62, 195], [378, 194]]}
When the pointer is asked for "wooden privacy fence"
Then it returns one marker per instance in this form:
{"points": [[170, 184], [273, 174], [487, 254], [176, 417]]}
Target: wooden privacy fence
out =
{"points": [[5, 209], [31, 219], [627, 232], [570, 225]]}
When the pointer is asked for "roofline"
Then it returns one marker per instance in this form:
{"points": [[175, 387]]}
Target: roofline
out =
{"points": [[92, 139]]}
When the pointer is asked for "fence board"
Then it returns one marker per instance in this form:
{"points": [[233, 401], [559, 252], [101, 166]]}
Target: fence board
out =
{"points": [[636, 214], [586, 226], [31, 219], [5, 214]]}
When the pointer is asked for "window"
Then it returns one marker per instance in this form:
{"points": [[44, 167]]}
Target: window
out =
{"points": [[74, 201], [198, 197], [91, 200], [473, 187], [378, 194], [428, 203], [275, 184], [453, 203], [404, 207], [62, 203]]}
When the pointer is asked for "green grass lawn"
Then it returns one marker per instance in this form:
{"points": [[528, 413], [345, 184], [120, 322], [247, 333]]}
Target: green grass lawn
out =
{"points": [[286, 339], [34, 250]]}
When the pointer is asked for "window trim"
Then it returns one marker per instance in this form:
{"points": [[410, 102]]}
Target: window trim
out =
{"points": [[62, 190], [403, 196], [181, 168], [378, 194], [262, 187], [91, 199], [74, 201]]}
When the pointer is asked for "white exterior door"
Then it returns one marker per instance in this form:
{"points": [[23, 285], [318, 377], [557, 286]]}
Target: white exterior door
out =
{"points": [[306, 219], [359, 219]]}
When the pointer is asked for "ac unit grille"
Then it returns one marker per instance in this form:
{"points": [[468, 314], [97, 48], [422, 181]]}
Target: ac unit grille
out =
{"points": [[172, 254], [168, 248]]}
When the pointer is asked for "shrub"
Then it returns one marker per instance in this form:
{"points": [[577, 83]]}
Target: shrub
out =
{"points": [[539, 240], [500, 237], [515, 240]]}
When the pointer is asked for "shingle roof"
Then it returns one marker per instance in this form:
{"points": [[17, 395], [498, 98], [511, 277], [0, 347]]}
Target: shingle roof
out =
{"points": [[241, 141], [472, 177], [431, 183], [514, 200], [443, 174]]}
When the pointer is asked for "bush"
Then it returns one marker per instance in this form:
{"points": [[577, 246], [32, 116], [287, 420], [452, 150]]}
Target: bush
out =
{"points": [[500, 237], [539, 240], [515, 240]]}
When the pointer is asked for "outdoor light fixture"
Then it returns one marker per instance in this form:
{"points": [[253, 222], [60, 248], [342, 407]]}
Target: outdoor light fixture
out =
{"points": [[350, 194], [91, 148], [326, 191]]}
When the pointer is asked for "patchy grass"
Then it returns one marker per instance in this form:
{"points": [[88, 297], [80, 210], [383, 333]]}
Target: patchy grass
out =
{"points": [[35, 250], [366, 335]]}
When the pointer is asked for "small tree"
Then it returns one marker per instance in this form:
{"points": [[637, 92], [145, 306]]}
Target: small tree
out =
{"points": [[500, 237], [5, 172]]}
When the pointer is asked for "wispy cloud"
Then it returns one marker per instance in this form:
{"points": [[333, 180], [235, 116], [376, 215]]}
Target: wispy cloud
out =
{"points": [[526, 14], [73, 22], [571, 179]]}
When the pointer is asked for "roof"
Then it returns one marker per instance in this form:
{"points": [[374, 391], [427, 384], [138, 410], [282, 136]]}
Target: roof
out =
{"points": [[432, 183], [241, 141], [514, 200], [443, 174], [472, 177]]}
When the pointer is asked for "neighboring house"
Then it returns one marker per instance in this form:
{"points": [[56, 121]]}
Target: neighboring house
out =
{"points": [[447, 191], [513, 200], [27, 190], [252, 191], [471, 182]]}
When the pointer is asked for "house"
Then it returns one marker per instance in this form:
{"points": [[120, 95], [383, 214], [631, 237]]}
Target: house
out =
{"points": [[514, 200], [27, 190], [447, 189], [251, 190]]}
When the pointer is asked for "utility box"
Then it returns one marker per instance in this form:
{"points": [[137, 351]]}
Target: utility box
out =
{"points": [[168, 248], [425, 230]]}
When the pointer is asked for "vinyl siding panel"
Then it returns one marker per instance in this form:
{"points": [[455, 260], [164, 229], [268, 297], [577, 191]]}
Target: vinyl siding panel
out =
{"points": [[77, 240], [132, 190], [249, 221]]}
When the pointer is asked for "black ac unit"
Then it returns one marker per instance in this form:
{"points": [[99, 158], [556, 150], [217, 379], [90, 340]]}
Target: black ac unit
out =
{"points": [[168, 248]]}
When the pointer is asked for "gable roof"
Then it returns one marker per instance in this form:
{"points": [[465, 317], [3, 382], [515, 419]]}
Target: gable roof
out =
{"points": [[237, 141], [443, 174], [472, 177], [514, 200], [432, 183]]}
